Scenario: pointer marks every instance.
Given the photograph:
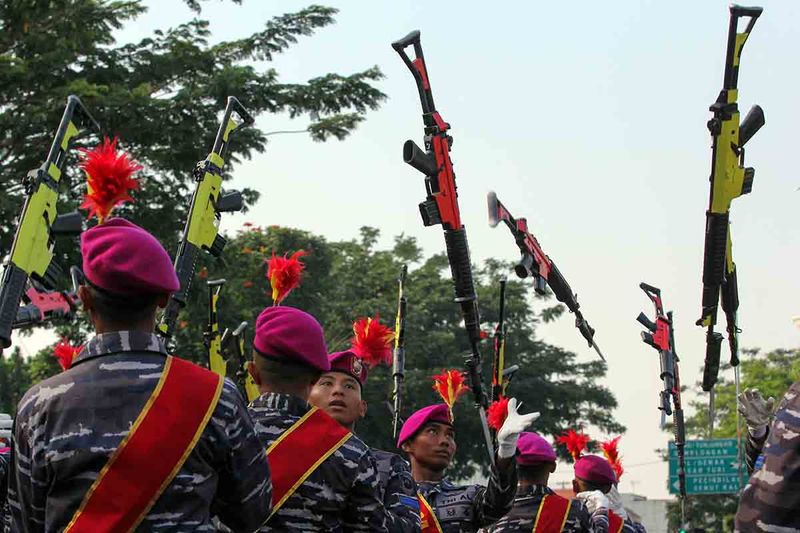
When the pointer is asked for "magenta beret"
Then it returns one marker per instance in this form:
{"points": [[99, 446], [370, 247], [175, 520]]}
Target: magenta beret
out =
{"points": [[350, 364], [433, 413], [291, 334], [534, 449], [594, 469], [122, 258]]}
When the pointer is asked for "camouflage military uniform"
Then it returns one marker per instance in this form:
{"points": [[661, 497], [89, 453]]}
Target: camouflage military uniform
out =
{"points": [[752, 450], [771, 500], [526, 506], [5, 511], [398, 490], [469, 508], [601, 524], [340, 495], [68, 425]]}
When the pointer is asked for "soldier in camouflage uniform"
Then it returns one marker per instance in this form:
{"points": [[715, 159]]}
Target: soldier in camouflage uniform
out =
{"points": [[6, 424], [536, 460], [771, 499], [69, 425], [595, 485], [429, 440], [338, 392], [341, 493]]}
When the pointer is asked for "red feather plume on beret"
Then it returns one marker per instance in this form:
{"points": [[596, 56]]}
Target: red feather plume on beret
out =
{"points": [[575, 443], [372, 341], [450, 386], [497, 413], [284, 274], [65, 353], [108, 178], [611, 451]]}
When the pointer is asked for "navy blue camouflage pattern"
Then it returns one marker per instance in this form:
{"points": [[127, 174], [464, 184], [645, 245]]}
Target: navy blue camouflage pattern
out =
{"points": [[342, 494], [469, 508], [398, 491], [771, 499], [68, 425]]}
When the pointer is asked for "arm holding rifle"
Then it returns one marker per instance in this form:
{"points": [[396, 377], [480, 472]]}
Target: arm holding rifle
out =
{"points": [[535, 263], [208, 202], [32, 251], [441, 208], [399, 353]]}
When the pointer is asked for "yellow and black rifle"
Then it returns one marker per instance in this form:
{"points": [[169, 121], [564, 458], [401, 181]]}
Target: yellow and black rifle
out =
{"points": [[233, 341], [399, 359], [501, 375], [211, 336], [208, 202], [729, 179], [39, 223]]}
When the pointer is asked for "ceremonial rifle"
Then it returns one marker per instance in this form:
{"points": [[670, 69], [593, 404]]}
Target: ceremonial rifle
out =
{"points": [[534, 262], [234, 342], [45, 306], [661, 336], [38, 224], [441, 207], [729, 179], [208, 202], [499, 383], [399, 363], [211, 336]]}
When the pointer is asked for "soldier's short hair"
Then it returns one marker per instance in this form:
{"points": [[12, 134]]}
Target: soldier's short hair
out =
{"points": [[123, 309], [602, 487], [534, 472], [277, 371]]}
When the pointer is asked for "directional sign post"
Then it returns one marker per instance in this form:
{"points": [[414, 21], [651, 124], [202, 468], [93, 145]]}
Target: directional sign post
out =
{"points": [[712, 467]]}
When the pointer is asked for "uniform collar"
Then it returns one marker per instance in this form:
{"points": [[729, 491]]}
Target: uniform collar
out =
{"points": [[533, 490], [121, 341], [444, 484], [286, 403]]}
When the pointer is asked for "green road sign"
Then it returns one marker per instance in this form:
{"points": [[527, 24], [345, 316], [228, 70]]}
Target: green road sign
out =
{"points": [[712, 467]]}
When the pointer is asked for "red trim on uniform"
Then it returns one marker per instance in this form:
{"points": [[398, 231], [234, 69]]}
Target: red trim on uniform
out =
{"points": [[552, 514], [615, 523], [429, 522], [300, 450], [147, 459]]}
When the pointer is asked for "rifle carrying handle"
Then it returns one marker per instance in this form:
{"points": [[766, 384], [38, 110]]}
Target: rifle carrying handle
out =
{"points": [[13, 286], [408, 40], [746, 11]]}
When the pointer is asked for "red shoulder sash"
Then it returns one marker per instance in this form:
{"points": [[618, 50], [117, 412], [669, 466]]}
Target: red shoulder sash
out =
{"points": [[430, 524], [149, 457], [615, 523], [552, 514], [300, 450]]}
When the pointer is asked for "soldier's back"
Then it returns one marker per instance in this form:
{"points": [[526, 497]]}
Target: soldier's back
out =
{"points": [[341, 494], [70, 424], [522, 516]]}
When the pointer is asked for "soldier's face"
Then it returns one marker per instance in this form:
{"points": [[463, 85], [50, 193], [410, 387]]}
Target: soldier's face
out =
{"points": [[339, 395], [434, 446]]}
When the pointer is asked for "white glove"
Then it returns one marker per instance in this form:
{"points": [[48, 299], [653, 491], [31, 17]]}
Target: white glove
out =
{"points": [[5, 426], [756, 411], [615, 503], [514, 425], [594, 500]]}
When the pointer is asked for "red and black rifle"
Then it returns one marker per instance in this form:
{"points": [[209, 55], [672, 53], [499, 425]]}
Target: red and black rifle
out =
{"points": [[441, 207], [44, 306], [661, 336], [534, 262]]}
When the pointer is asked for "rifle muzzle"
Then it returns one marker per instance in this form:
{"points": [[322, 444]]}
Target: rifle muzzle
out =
{"points": [[419, 159]]}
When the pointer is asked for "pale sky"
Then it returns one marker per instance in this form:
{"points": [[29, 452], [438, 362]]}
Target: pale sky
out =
{"points": [[588, 118]]}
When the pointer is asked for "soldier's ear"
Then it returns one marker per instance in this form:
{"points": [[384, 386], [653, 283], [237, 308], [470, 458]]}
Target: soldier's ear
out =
{"points": [[253, 371], [552, 467], [406, 447], [362, 411]]}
